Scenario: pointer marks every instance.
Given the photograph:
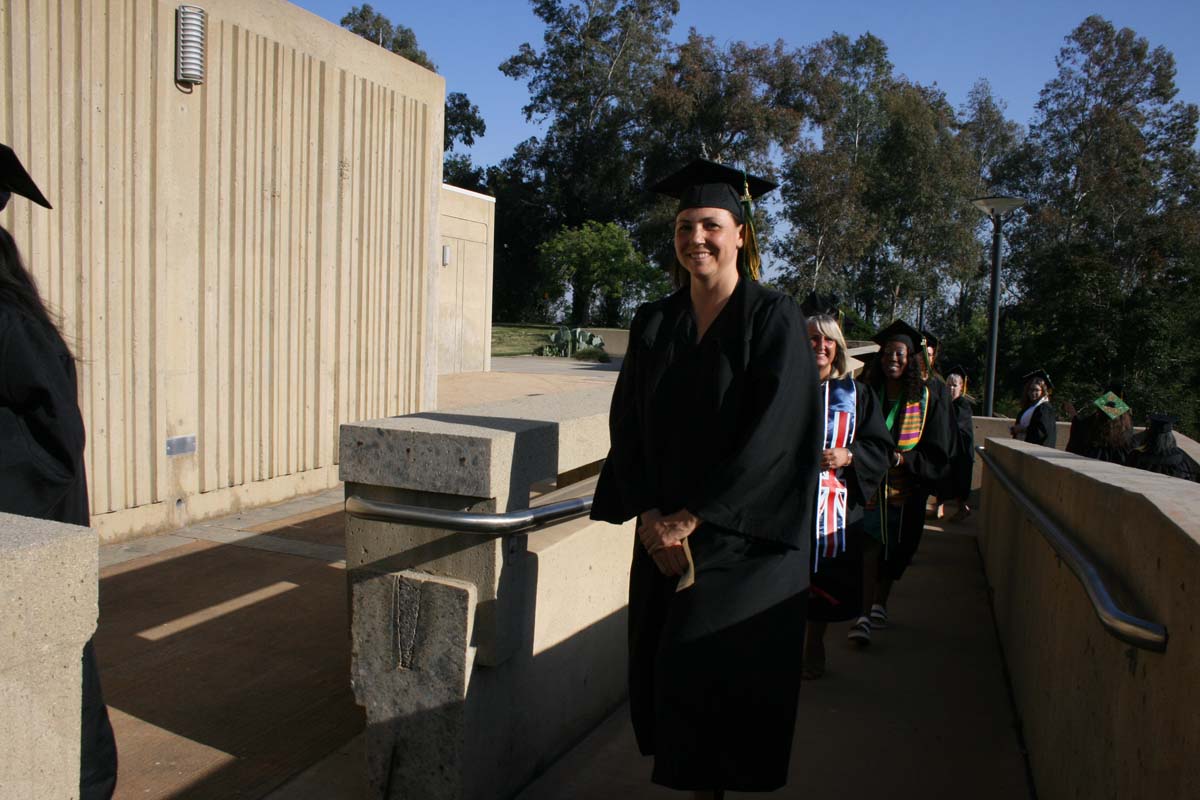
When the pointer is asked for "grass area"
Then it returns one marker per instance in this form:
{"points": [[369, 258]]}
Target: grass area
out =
{"points": [[519, 340]]}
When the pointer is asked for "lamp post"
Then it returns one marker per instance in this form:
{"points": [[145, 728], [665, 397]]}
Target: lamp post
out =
{"points": [[995, 208]]}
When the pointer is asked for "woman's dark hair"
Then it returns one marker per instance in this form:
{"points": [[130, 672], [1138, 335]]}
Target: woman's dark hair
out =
{"points": [[17, 287], [915, 372], [1046, 391]]}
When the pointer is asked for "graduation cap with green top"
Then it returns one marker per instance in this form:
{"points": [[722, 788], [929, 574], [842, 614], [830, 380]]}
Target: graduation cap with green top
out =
{"points": [[1111, 405], [707, 184], [15, 180]]}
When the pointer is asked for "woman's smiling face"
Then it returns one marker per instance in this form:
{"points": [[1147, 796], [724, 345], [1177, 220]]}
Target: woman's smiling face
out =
{"points": [[707, 241]]}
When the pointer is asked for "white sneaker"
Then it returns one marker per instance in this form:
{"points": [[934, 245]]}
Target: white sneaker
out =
{"points": [[860, 634]]}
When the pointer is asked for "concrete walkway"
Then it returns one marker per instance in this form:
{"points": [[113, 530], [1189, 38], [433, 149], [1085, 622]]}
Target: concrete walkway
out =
{"points": [[224, 652], [923, 713]]}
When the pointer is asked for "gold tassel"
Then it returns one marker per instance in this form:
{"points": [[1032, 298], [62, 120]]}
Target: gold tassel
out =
{"points": [[750, 256]]}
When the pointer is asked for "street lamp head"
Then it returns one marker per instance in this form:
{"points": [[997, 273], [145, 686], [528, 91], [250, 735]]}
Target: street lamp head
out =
{"points": [[998, 206]]}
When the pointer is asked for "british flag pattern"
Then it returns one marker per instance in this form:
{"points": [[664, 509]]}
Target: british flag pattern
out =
{"points": [[832, 496]]}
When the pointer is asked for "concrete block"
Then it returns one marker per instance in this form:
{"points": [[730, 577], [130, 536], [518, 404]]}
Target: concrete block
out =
{"points": [[411, 663], [48, 590]]}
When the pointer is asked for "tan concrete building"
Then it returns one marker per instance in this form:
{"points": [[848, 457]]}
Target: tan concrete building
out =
{"points": [[241, 264]]}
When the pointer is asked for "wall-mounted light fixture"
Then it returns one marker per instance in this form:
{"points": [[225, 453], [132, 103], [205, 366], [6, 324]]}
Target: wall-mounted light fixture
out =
{"points": [[445, 255], [191, 27]]}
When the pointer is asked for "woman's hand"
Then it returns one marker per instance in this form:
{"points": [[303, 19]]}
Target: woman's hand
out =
{"points": [[836, 458], [663, 536]]}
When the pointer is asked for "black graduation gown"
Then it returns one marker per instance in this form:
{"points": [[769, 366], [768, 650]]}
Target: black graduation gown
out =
{"points": [[728, 428], [41, 429], [962, 462], [42, 475], [1174, 461], [836, 592], [1042, 429], [927, 464]]}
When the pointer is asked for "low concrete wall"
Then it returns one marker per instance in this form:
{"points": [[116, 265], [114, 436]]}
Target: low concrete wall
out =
{"points": [[1101, 719], [479, 659], [48, 590]]}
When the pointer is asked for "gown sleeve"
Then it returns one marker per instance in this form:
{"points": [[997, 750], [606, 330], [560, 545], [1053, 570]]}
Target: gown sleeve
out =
{"points": [[871, 446], [1042, 429], [41, 432], [621, 490], [775, 456], [930, 459]]}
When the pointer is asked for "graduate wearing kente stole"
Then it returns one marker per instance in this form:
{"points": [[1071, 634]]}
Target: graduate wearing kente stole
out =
{"points": [[919, 420]]}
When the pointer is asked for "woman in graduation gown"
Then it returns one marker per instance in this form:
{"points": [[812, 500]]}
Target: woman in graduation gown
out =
{"points": [[962, 458], [1156, 450], [715, 437], [41, 445], [1036, 422], [1103, 431], [918, 420], [853, 461]]}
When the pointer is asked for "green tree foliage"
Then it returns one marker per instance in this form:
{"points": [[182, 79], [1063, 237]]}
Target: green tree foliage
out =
{"points": [[587, 84], [399, 39], [1107, 259], [877, 199], [601, 260], [463, 122]]}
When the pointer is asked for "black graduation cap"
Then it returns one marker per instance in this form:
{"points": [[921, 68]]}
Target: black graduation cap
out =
{"points": [[958, 369], [931, 340], [899, 331], [1161, 423], [15, 180], [1039, 373], [821, 304], [707, 184]]}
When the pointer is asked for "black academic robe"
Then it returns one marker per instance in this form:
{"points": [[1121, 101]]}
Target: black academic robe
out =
{"points": [[42, 475], [1173, 461], [925, 466], [41, 429], [728, 428], [1042, 429], [962, 460], [836, 592]]}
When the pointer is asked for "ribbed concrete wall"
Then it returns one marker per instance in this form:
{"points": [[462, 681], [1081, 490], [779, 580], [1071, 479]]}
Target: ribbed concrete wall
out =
{"points": [[250, 261]]}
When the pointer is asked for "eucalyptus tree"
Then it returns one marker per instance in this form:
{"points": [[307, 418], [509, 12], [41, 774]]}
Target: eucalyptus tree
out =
{"points": [[1108, 257], [587, 85]]}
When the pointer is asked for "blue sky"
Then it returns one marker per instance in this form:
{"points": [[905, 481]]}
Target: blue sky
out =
{"points": [[1012, 44]]}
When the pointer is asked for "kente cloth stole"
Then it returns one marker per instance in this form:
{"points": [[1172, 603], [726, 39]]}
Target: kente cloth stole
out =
{"points": [[832, 496]]}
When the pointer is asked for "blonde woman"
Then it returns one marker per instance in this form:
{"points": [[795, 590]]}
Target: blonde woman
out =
{"points": [[854, 459]]}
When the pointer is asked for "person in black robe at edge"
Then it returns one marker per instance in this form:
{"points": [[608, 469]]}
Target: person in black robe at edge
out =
{"points": [[962, 458], [1035, 423], [715, 441], [41, 446], [854, 459], [1156, 450], [1103, 431], [938, 385], [918, 419]]}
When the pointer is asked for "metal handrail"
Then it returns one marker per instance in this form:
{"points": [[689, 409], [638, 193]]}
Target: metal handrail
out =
{"points": [[1132, 630], [481, 523]]}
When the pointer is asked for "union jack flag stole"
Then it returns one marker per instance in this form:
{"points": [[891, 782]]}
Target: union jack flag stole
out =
{"points": [[832, 496]]}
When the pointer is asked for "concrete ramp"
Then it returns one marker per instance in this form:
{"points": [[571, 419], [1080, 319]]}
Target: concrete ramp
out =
{"points": [[924, 712]]}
